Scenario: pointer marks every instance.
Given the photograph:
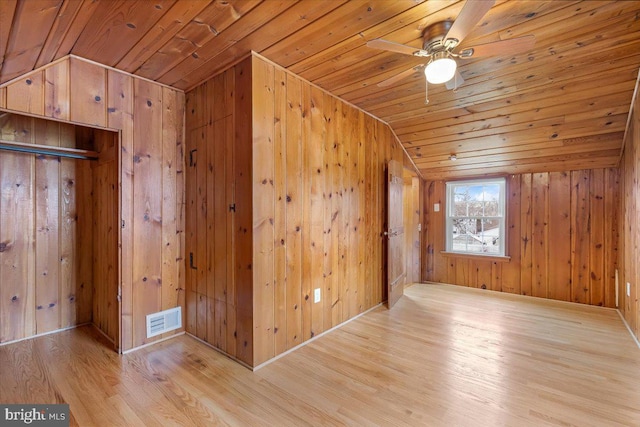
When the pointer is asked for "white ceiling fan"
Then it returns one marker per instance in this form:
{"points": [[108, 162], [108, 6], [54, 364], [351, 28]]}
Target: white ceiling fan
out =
{"points": [[441, 45]]}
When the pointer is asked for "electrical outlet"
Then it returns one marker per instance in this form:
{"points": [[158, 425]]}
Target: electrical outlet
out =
{"points": [[628, 289], [436, 207], [316, 295]]}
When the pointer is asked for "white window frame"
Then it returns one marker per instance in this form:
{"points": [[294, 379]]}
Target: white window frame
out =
{"points": [[451, 185]]}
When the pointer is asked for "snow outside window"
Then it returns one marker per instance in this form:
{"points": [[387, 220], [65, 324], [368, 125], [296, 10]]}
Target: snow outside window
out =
{"points": [[476, 217]]}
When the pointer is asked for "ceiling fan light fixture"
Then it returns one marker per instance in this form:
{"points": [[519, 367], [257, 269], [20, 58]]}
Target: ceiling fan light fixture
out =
{"points": [[440, 69]]}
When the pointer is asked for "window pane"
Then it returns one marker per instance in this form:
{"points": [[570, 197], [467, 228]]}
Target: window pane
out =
{"points": [[460, 201], [492, 209], [489, 235], [476, 217], [476, 208]]}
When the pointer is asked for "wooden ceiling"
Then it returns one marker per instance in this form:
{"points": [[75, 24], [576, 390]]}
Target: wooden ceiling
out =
{"points": [[562, 105]]}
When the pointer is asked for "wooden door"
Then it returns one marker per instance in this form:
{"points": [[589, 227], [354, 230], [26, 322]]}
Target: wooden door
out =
{"points": [[396, 268]]}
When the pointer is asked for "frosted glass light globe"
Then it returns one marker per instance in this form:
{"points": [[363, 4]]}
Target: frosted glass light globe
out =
{"points": [[440, 70]]}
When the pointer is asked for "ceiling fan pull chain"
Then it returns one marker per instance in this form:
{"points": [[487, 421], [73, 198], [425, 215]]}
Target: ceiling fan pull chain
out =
{"points": [[455, 83], [426, 92]]}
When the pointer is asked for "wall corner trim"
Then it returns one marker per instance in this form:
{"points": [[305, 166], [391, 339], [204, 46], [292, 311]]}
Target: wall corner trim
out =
{"points": [[628, 328]]}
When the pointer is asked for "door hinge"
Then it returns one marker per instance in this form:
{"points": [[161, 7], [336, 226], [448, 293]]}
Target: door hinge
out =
{"points": [[191, 162], [193, 267], [232, 207]]}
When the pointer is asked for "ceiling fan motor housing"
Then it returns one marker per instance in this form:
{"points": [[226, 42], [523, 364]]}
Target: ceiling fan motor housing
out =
{"points": [[433, 37]]}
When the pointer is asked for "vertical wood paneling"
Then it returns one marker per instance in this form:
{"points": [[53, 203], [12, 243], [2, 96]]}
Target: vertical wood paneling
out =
{"points": [[202, 271], [540, 235], [360, 174], [629, 214], [27, 94], [526, 222], [105, 237], [56, 91], [612, 209], [83, 295], [243, 159], [511, 270], [280, 209], [218, 211], [211, 231], [263, 207], [172, 129], [87, 103], [46, 238], [562, 238], [581, 227], [328, 218], [47, 175], [437, 224], [17, 275], [597, 232], [337, 214], [191, 230], [89, 94], [214, 138], [120, 116], [147, 212], [293, 177], [315, 169], [227, 291], [315, 211], [305, 229], [68, 238], [414, 256], [370, 213]]}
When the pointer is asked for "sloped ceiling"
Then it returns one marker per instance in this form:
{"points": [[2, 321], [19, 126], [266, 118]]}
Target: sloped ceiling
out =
{"points": [[561, 105]]}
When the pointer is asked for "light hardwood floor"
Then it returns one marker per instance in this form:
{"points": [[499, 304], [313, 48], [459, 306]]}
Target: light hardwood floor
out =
{"points": [[444, 356]]}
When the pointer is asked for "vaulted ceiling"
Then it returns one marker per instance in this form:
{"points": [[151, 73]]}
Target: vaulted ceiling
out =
{"points": [[560, 105]]}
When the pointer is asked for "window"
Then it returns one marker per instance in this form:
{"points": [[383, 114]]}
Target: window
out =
{"points": [[476, 217]]}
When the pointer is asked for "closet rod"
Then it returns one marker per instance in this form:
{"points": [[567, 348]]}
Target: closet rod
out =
{"points": [[72, 153]]}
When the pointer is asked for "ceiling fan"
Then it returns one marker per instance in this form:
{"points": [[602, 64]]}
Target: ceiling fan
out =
{"points": [[440, 45]]}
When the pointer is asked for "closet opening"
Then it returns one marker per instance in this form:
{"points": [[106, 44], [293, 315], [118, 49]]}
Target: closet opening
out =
{"points": [[59, 228]]}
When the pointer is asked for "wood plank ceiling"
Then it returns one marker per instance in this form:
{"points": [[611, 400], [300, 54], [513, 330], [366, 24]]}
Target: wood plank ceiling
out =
{"points": [[562, 105]]}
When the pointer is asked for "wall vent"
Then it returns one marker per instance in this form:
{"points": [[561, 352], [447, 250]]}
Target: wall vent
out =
{"points": [[164, 321]]}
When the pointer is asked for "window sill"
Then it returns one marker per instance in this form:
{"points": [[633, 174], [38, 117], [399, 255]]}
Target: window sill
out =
{"points": [[496, 258]]}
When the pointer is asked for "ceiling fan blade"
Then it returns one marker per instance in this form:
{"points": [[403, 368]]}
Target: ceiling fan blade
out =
{"points": [[455, 82], [400, 76], [503, 47], [393, 47], [471, 13]]}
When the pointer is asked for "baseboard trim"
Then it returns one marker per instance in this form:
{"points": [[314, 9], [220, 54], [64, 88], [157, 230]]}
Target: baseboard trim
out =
{"points": [[628, 328], [131, 350], [310, 340], [45, 333], [106, 337], [228, 356]]}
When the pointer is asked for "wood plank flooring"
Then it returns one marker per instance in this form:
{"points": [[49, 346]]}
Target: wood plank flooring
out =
{"points": [[444, 356]]}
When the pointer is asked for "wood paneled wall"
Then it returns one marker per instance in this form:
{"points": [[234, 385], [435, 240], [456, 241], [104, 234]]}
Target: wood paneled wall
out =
{"points": [[412, 211], [45, 268], [149, 118], [104, 199], [562, 237], [319, 209], [630, 223], [218, 234], [311, 169]]}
